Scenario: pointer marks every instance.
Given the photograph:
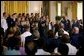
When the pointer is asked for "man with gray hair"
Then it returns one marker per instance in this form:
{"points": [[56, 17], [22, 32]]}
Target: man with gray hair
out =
{"points": [[76, 30], [75, 37]]}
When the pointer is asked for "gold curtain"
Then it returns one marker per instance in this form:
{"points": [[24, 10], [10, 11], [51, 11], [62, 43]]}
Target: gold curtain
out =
{"points": [[74, 10], [46, 6], [16, 6]]}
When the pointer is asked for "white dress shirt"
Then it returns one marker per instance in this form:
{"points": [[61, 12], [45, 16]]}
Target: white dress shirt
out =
{"points": [[65, 32], [42, 52], [50, 26], [4, 24], [72, 49], [24, 35]]}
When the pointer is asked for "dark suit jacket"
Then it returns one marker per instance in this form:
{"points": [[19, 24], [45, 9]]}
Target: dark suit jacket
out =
{"points": [[27, 50], [75, 40], [10, 22]]}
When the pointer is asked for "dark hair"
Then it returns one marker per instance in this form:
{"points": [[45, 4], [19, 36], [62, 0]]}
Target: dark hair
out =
{"points": [[51, 34], [26, 27], [13, 43], [28, 40], [51, 45], [63, 17], [65, 38], [63, 49], [14, 14], [4, 13], [31, 13], [60, 32], [41, 43], [36, 14], [23, 14], [19, 14], [27, 14]]}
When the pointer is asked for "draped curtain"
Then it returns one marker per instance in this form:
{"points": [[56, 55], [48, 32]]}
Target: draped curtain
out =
{"points": [[45, 8], [16, 6]]}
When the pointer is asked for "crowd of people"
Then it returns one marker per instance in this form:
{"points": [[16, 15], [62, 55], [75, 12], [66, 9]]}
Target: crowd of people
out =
{"points": [[24, 34]]}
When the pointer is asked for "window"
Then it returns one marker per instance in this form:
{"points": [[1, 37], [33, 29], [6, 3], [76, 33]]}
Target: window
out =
{"points": [[59, 9], [79, 10]]}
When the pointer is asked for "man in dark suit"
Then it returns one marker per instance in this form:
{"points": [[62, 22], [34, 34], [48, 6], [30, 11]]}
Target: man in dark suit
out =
{"points": [[42, 27], [11, 20], [75, 37], [66, 23]]}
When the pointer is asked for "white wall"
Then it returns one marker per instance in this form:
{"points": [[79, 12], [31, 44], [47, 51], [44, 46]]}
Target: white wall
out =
{"points": [[2, 8], [79, 11], [52, 10], [35, 6], [64, 5], [59, 9], [69, 12]]}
